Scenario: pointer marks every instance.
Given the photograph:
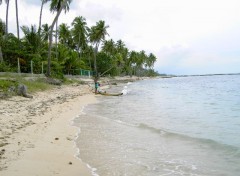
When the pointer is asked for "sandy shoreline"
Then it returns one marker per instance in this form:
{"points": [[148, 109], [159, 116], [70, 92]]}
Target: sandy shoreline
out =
{"points": [[36, 136]]}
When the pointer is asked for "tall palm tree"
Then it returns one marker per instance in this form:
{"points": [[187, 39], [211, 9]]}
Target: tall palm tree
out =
{"points": [[6, 26], [7, 2], [40, 17], [64, 4], [80, 31], [16, 3], [55, 7], [97, 35]]}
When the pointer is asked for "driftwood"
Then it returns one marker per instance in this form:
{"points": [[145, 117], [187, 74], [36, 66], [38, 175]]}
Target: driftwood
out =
{"points": [[22, 91]]}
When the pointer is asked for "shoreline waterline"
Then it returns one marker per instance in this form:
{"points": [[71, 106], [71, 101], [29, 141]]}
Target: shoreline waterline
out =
{"points": [[78, 153], [154, 130]]}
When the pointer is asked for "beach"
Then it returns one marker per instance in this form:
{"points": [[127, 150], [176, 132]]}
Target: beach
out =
{"points": [[37, 136]]}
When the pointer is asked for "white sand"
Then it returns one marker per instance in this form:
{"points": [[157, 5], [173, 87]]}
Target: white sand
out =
{"points": [[36, 136]]}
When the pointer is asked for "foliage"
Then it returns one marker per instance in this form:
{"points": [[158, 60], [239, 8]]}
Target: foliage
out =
{"points": [[6, 68], [79, 47], [6, 84]]}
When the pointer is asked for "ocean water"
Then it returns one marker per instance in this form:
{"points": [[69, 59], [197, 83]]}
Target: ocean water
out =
{"points": [[184, 126]]}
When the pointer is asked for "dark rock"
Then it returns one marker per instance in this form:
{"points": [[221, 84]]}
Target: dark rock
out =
{"points": [[22, 91]]}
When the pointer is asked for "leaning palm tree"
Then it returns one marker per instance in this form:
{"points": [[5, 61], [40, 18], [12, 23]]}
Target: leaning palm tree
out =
{"points": [[40, 17], [64, 4], [97, 35], [55, 7]]}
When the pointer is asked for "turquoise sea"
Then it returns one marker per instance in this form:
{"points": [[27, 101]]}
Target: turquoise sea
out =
{"points": [[182, 126]]}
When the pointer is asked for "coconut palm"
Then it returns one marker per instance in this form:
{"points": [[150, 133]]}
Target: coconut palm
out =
{"points": [[109, 47], [97, 34], [31, 39], [45, 30], [64, 4], [80, 32], [150, 60], [64, 34], [40, 17], [120, 46], [7, 2], [55, 7]]}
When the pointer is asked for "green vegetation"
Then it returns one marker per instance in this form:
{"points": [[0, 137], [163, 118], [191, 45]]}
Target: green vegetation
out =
{"points": [[75, 47], [8, 85], [36, 85]]}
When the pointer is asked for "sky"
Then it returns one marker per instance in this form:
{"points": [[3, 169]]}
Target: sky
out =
{"points": [[187, 36]]}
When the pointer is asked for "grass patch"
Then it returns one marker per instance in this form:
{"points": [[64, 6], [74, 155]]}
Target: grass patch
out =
{"points": [[36, 85], [6, 84]]}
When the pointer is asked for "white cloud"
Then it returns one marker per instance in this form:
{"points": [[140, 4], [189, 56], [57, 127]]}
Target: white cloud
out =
{"points": [[183, 34]]}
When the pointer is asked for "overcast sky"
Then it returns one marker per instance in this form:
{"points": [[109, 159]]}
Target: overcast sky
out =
{"points": [[187, 36]]}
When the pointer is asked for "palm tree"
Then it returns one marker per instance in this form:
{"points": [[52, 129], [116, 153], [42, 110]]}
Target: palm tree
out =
{"points": [[151, 59], [80, 31], [16, 3], [31, 38], [109, 47], [7, 2], [97, 35], [64, 34], [64, 4], [45, 32], [120, 46], [40, 17], [55, 7]]}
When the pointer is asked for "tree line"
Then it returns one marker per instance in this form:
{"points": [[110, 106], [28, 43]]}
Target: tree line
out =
{"points": [[77, 46]]}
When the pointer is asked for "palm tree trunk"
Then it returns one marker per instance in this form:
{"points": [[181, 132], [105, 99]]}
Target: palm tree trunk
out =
{"points": [[50, 38], [95, 68], [1, 56], [95, 61], [7, 16], [40, 18], [79, 45], [89, 61], [56, 41], [16, 3]]}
